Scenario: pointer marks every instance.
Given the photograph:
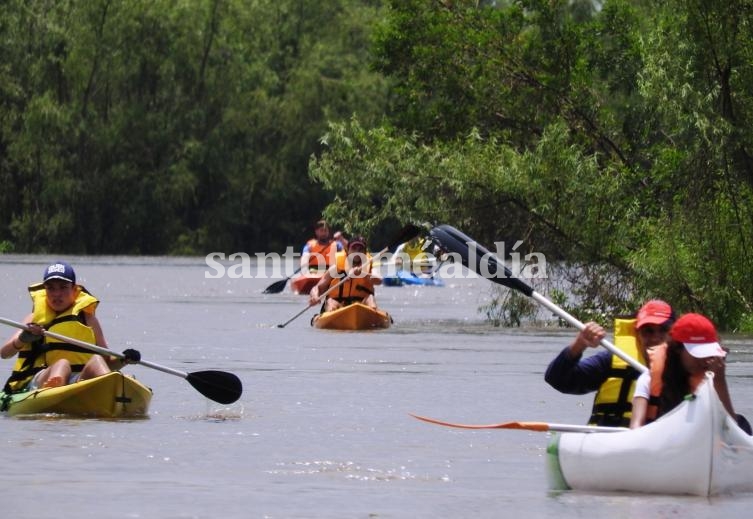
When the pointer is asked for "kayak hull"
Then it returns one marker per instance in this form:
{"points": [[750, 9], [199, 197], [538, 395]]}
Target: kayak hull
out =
{"points": [[113, 395], [352, 317], [402, 277], [696, 449], [303, 283]]}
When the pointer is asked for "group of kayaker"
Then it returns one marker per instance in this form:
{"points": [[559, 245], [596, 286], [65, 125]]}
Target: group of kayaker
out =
{"points": [[60, 306], [677, 353], [347, 277]]}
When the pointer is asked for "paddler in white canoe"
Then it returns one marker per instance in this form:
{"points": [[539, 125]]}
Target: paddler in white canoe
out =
{"points": [[614, 381], [611, 377], [695, 448], [696, 445], [677, 369]]}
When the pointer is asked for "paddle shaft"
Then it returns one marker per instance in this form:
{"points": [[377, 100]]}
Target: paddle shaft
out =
{"points": [[526, 426], [279, 286], [453, 239], [543, 301], [96, 349]]}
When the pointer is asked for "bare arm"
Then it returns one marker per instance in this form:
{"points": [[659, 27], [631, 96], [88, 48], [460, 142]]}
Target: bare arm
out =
{"points": [[99, 335], [14, 344], [638, 416], [717, 365], [320, 287]]}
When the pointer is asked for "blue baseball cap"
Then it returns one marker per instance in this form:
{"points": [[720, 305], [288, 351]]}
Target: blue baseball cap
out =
{"points": [[60, 270]]}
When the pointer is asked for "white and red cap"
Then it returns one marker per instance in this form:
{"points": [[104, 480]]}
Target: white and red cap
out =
{"points": [[698, 335]]}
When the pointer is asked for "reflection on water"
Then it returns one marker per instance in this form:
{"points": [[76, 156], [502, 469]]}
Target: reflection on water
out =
{"points": [[323, 428]]}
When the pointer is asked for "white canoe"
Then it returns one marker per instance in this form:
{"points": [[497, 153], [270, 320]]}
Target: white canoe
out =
{"points": [[696, 449]]}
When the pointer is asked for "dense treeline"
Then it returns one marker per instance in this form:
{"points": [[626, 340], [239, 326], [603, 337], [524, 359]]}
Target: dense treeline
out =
{"points": [[163, 127], [615, 135]]}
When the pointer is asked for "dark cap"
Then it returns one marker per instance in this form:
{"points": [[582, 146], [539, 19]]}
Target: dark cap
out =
{"points": [[357, 240], [60, 270]]}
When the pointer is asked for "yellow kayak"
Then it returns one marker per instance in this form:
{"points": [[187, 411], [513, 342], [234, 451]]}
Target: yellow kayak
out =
{"points": [[356, 316], [113, 395]]}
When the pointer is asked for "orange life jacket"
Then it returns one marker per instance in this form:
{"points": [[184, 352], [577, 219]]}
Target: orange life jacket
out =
{"points": [[658, 359], [322, 255], [353, 289]]}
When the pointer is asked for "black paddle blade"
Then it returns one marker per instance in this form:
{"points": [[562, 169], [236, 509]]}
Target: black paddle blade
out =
{"points": [[407, 233], [276, 287], [477, 258], [219, 386]]}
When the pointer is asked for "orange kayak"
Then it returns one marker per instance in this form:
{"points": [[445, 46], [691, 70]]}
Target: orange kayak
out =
{"points": [[303, 283], [352, 317]]}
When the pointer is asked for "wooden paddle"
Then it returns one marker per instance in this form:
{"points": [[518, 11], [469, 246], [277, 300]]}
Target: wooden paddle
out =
{"points": [[526, 426], [478, 259], [406, 233], [279, 286], [219, 386]]}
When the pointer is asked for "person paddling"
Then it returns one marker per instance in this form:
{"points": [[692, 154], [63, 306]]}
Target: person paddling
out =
{"points": [[359, 282], [692, 350], [611, 377], [320, 251], [64, 307]]}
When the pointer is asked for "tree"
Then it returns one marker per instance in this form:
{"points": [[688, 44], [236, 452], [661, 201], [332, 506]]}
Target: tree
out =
{"points": [[512, 120]]}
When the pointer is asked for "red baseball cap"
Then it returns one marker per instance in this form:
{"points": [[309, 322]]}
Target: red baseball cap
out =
{"points": [[357, 241], [655, 311], [698, 335]]}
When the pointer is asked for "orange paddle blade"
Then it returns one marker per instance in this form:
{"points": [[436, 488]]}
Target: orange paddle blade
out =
{"points": [[526, 426], [529, 426]]}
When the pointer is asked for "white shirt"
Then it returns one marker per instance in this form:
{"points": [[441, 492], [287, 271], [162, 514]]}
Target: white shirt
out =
{"points": [[643, 385]]}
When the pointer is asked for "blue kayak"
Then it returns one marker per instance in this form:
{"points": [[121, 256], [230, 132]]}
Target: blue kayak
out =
{"points": [[404, 277]]}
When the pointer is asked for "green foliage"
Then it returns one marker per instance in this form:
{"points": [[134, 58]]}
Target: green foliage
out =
{"points": [[617, 139], [508, 308], [165, 127], [613, 136]]}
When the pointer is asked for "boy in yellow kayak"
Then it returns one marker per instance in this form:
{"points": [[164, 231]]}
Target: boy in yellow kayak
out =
{"points": [[66, 308]]}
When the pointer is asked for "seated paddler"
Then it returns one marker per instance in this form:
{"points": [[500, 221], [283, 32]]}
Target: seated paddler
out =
{"points": [[61, 306], [350, 280]]}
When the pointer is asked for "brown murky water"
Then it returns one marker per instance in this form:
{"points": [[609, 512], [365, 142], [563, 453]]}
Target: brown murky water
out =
{"points": [[323, 428]]}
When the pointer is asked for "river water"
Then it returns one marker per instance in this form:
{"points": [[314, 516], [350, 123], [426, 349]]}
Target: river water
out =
{"points": [[323, 427]]}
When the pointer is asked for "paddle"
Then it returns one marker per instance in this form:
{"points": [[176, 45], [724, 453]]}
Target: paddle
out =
{"points": [[279, 286], [219, 386], [526, 426], [484, 263], [406, 233]]}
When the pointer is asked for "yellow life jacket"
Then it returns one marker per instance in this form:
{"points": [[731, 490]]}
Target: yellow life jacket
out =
{"points": [[322, 254], [414, 249], [353, 289], [613, 403], [36, 356]]}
